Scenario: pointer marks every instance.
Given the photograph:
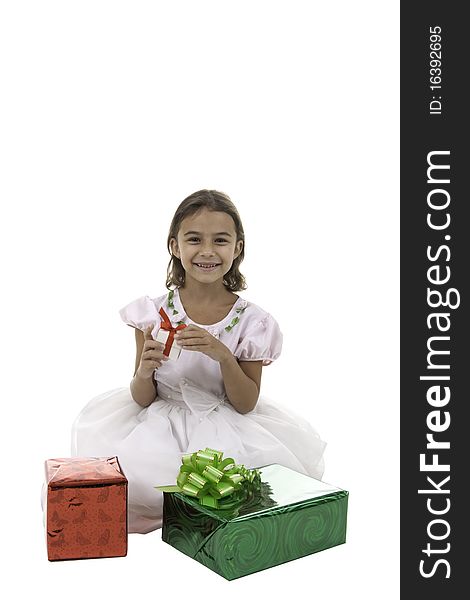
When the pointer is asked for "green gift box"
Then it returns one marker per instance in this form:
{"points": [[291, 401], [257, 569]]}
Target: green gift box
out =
{"points": [[291, 516]]}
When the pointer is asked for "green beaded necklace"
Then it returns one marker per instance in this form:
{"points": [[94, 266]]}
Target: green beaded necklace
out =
{"points": [[228, 328]]}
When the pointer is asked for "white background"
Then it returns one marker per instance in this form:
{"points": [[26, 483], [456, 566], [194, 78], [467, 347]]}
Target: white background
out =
{"points": [[114, 112]]}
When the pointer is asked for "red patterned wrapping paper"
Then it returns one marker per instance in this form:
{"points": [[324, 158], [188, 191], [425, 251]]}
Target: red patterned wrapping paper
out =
{"points": [[86, 508]]}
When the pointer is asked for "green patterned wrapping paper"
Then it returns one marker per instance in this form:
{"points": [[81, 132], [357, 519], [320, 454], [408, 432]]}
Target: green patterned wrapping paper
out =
{"points": [[293, 516]]}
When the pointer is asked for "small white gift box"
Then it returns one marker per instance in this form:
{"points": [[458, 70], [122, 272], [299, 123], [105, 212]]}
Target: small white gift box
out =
{"points": [[175, 350]]}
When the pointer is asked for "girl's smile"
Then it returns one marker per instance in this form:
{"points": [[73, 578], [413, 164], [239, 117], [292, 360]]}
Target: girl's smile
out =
{"points": [[207, 266]]}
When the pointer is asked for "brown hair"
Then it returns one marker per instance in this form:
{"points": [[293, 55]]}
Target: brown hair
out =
{"points": [[214, 201]]}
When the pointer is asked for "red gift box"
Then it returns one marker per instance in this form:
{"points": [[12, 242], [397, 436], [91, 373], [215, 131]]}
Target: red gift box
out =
{"points": [[86, 508]]}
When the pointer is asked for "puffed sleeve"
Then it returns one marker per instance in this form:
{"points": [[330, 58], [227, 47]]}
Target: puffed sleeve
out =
{"points": [[262, 341], [139, 313]]}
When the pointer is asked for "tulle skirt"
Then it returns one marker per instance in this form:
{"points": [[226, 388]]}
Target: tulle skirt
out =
{"points": [[149, 442]]}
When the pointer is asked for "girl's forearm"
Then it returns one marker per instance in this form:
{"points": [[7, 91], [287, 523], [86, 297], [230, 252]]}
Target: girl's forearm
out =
{"points": [[143, 391], [241, 390]]}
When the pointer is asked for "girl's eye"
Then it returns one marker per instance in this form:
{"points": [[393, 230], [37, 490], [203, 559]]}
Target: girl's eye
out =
{"points": [[195, 240]]}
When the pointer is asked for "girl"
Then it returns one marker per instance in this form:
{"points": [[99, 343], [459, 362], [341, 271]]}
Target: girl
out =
{"points": [[209, 395]]}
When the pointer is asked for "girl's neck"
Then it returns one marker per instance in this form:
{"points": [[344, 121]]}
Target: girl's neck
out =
{"points": [[204, 293]]}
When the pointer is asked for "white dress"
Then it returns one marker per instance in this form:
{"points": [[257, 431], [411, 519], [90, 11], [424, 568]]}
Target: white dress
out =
{"points": [[192, 412]]}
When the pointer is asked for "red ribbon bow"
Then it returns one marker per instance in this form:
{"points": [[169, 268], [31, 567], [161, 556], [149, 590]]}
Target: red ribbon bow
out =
{"points": [[167, 326]]}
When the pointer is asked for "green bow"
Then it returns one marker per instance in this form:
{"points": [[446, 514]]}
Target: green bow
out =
{"points": [[204, 475]]}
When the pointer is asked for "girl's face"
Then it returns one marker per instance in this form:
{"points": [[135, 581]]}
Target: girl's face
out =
{"points": [[206, 245]]}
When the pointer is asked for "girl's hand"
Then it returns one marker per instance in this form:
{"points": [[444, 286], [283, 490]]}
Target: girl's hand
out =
{"points": [[152, 355], [198, 339]]}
